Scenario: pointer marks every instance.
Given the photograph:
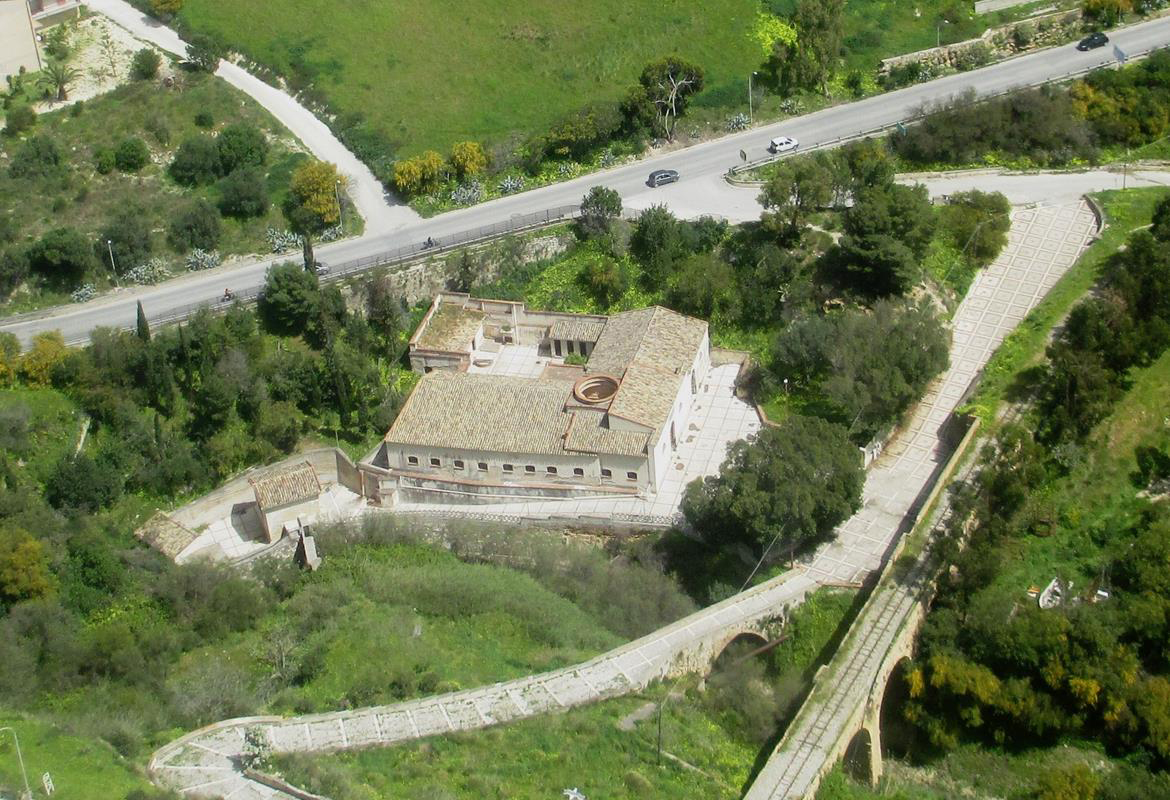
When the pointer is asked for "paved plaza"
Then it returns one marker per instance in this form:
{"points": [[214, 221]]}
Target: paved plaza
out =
{"points": [[512, 360]]}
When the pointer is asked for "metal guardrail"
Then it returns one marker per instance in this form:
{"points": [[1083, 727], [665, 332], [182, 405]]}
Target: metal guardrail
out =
{"points": [[882, 129], [412, 252]]}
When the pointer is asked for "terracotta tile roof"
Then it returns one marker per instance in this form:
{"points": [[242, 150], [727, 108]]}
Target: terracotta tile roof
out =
{"points": [[645, 395], [651, 349], [165, 535], [586, 435], [286, 485], [450, 329], [484, 412], [577, 330]]}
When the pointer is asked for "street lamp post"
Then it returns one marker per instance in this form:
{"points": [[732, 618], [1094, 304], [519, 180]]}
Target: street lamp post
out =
{"points": [[19, 757], [938, 33], [113, 265], [751, 115]]}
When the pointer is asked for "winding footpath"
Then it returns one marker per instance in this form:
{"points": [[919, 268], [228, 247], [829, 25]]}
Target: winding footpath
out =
{"points": [[383, 214], [1044, 242]]}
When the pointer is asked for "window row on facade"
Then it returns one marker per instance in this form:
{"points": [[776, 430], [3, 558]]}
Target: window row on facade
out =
{"points": [[510, 469]]}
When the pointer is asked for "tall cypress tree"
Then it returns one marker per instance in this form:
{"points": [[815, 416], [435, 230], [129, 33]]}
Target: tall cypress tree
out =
{"points": [[143, 325]]}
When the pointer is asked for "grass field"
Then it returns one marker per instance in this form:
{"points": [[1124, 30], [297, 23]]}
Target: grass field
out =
{"points": [[80, 768], [432, 73]]}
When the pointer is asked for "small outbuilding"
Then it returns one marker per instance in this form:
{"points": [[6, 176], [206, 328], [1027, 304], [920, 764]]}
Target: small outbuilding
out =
{"points": [[288, 499]]}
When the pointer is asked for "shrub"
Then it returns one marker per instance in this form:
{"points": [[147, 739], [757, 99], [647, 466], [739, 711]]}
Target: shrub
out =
{"points": [[145, 65], [241, 144], [103, 161], [204, 52], [203, 119], [13, 269], [132, 155], [127, 234], [19, 119], [39, 157], [62, 256], [196, 162], [468, 159], [195, 226], [157, 127], [243, 194]]}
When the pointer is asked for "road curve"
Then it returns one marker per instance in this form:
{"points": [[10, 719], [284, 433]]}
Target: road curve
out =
{"points": [[698, 165]]}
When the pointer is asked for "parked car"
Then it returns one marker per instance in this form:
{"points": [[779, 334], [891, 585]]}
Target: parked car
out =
{"points": [[661, 177], [782, 144], [321, 268], [1093, 41]]}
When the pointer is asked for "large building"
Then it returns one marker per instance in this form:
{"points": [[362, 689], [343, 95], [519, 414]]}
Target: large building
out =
{"points": [[520, 403]]}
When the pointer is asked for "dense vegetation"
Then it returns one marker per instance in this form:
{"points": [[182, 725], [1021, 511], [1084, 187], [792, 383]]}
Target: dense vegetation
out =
{"points": [[1083, 500], [161, 179], [1105, 111]]}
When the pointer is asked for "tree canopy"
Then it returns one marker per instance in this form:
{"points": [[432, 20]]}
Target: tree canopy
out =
{"points": [[792, 483]]}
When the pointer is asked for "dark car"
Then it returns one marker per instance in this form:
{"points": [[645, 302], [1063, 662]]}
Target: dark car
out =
{"points": [[661, 177], [1093, 41]]}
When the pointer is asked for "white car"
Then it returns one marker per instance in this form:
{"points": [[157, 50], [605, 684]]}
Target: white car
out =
{"points": [[782, 144]]}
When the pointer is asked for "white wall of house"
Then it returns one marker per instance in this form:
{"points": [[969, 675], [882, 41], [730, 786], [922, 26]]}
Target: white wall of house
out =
{"points": [[275, 518]]}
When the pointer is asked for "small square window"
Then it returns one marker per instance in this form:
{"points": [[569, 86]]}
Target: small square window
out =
{"points": [[412, 460], [508, 468], [551, 470], [607, 473], [530, 469], [482, 466], [458, 463], [578, 472], [435, 462], [632, 476]]}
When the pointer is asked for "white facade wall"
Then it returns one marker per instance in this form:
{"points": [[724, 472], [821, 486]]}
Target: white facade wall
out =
{"points": [[275, 518], [680, 413], [590, 464]]}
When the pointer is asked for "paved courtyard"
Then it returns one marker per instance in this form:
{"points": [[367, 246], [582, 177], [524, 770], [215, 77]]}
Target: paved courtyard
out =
{"points": [[513, 360], [236, 533]]}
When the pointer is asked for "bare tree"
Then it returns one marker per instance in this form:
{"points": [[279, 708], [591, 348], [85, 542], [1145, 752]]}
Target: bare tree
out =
{"points": [[669, 84]]}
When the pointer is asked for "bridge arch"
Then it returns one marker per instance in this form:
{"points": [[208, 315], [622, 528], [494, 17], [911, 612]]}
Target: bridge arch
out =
{"points": [[897, 734], [739, 645], [861, 757]]}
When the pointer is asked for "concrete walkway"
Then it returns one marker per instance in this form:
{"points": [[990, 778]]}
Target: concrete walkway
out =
{"points": [[382, 213]]}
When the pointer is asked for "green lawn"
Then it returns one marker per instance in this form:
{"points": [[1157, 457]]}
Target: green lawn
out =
{"points": [[428, 74], [80, 768]]}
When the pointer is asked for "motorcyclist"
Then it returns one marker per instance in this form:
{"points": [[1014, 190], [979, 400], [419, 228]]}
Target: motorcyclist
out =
{"points": [[227, 295]]}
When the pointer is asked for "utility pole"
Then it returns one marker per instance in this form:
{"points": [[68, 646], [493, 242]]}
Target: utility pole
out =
{"points": [[23, 774], [337, 196]]}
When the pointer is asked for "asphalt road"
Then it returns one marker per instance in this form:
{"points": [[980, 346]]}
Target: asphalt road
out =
{"points": [[697, 165]]}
